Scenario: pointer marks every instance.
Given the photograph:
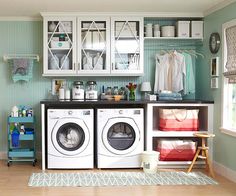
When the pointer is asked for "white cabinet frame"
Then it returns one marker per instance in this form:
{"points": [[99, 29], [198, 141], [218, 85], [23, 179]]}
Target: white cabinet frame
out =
{"points": [[76, 48], [141, 49], [106, 71], [46, 71]]}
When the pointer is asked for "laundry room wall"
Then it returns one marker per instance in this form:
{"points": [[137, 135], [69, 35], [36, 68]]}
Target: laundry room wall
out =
{"points": [[26, 37], [224, 145], [23, 38]]}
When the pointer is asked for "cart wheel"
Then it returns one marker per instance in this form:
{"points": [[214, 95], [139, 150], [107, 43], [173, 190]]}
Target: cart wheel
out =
{"points": [[8, 164], [34, 162]]}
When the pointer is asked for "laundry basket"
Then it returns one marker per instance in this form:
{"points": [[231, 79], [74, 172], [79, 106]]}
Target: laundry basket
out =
{"points": [[150, 161]]}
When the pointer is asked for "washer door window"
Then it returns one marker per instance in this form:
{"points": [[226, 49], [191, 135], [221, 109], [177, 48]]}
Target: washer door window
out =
{"points": [[70, 136], [121, 135]]}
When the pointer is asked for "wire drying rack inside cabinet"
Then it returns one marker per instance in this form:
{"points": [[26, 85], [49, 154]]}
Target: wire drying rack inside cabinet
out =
{"points": [[7, 57]]}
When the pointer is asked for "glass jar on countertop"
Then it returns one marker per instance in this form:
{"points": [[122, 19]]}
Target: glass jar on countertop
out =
{"points": [[108, 90], [91, 90], [78, 90], [115, 90]]}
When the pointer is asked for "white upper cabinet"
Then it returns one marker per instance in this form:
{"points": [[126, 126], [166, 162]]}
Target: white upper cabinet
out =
{"points": [[127, 45], [92, 45], [59, 46]]}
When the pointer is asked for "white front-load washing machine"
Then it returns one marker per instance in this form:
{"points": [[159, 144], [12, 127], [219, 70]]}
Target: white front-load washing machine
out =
{"points": [[70, 138], [120, 137]]}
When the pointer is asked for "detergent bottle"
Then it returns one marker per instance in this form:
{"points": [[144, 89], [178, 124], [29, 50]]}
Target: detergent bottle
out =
{"points": [[15, 137]]}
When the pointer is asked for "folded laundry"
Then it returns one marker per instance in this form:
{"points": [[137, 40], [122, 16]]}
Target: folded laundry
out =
{"points": [[169, 96], [177, 95]]}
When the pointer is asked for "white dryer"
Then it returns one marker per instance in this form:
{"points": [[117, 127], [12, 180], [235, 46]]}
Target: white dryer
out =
{"points": [[120, 137], [70, 138]]}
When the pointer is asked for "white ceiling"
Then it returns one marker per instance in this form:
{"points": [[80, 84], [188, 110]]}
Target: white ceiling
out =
{"points": [[32, 8]]}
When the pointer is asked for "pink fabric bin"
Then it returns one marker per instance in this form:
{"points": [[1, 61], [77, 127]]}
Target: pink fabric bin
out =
{"points": [[176, 150], [178, 120]]}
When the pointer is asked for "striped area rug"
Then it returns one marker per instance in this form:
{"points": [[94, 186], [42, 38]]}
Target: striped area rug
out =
{"points": [[118, 179]]}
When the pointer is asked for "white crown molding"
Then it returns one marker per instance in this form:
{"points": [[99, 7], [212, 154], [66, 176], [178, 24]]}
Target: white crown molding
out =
{"points": [[20, 18], [142, 14], [218, 7], [224, 171]]}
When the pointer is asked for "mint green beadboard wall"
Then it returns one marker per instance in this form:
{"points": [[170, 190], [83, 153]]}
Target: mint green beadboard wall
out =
{"points": [[22, 38], [27, 38], [224, 145]]}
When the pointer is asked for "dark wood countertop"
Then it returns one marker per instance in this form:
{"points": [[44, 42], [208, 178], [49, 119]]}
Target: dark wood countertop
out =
{"points": [[122, 102]]}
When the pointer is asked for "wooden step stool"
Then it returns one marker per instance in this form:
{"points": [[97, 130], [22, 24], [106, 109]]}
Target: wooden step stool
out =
{"points": [[204, 153]]}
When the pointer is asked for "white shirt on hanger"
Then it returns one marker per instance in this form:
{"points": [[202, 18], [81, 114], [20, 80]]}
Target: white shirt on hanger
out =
{"points": [[161, 74], [178, 71]]}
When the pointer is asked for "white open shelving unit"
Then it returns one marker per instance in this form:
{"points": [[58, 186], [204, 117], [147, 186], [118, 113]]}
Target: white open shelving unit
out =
{"points": [[153, 134]]}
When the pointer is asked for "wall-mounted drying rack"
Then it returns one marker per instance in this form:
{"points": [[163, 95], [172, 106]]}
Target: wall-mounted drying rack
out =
{"points": [[21, 65], [7, 57]]}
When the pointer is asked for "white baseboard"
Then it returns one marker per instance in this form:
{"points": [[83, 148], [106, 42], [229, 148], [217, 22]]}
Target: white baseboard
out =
{"points": [[224, 171], [3, 155]]}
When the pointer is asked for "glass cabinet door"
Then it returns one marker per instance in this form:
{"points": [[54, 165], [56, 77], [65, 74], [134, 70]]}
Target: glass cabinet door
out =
{"points": [[59, 46], [127, 45], [94, 46]]}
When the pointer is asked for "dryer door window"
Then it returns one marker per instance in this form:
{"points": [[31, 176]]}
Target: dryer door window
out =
{"points": [[70, 136], [121, 136]]}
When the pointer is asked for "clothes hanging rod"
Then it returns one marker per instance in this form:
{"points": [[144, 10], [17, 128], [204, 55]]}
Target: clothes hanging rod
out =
{"points": [[174, 45], [7, 57]]}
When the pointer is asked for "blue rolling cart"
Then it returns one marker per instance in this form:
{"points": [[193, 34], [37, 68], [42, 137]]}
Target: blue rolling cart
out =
{"points": [[25, 150]]}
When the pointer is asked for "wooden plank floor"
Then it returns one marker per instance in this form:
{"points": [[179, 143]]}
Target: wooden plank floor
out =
{"points": [[14, 182]]}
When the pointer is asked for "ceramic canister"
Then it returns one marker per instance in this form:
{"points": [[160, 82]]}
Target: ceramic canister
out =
{"points": [[168, 31], [148, 30]]}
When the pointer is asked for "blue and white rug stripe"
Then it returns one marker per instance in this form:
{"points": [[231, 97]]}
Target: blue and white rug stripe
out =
{"points": [[118, 179]]}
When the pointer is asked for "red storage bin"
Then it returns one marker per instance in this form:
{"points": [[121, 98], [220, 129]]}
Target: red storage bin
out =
{"points": [[178, 120], [176, 150]]}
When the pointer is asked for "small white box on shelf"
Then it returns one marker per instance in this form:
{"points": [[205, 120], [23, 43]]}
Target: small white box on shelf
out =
{"points": [[183, 28], [65, 27], [197, 29], [60, 44], [93, 25], [125, 30]]}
